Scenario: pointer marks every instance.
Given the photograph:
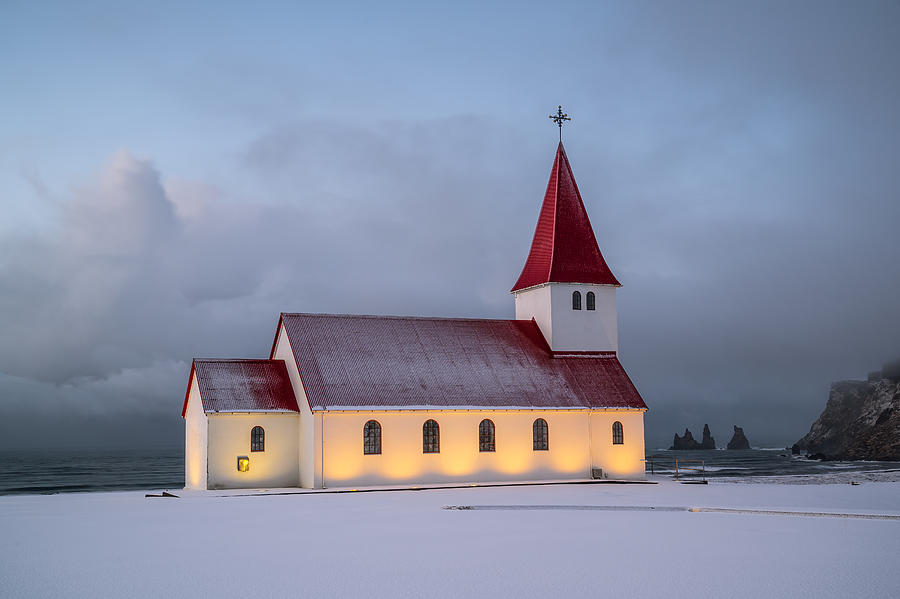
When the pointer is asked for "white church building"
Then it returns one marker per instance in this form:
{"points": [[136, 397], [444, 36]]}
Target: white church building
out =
{"points": [[347, 400]]}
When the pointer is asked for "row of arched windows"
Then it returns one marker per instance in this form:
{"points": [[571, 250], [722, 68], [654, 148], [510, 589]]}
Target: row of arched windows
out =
{"points": [[431, 436], [591, 300]]}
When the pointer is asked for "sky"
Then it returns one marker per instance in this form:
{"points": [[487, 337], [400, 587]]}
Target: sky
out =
{"points": [[173, 177]]}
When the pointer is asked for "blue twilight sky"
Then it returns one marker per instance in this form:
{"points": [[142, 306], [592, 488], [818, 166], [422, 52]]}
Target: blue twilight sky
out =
{"points": [[172, 177]]}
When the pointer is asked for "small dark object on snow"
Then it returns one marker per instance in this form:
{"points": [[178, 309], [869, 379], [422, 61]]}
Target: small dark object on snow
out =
{"points": [[163, 494]]}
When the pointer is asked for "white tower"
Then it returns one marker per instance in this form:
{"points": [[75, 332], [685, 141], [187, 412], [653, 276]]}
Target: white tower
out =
{"points": [[566, 285]]}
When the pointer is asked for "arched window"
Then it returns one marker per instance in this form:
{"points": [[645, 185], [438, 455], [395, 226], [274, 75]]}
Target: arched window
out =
{"points": [[591, 301], [541, 436], [431, 437], [486, 436], [257, 439], [618, 435], [372, 438], [576, 300]]}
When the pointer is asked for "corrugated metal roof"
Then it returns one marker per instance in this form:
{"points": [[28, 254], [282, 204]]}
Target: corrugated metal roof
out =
{"points": [[564, 248], [243, 386], [397, 362]]}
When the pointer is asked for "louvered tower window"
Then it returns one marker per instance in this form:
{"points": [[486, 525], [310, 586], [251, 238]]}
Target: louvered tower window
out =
{"points": [[591, 301], [576, 300]]}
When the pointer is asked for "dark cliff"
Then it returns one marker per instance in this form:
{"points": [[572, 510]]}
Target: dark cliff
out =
{"points": [[738, 440], [861, 420]]}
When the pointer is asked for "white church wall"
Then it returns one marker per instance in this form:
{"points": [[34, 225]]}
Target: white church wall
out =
{"points": [[572, 330], [584, 330], [625, 461], [459, 460], [535, 303], [229, 437], [308, 447], [195, 439]]}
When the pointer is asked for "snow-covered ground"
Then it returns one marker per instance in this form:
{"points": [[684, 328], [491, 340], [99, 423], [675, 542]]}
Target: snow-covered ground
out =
{"points": [[403, 544]]}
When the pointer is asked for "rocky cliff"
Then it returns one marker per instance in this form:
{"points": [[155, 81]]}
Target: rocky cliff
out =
{"points": [[687, 441], [861, 420], [738, 440], [708, 442]]}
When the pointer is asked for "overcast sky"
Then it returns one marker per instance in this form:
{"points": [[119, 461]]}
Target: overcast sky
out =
{"points": [[173, 177]]}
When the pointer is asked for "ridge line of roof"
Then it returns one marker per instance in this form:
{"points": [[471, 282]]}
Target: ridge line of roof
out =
{"points": [[238, 360], [400, 317]]}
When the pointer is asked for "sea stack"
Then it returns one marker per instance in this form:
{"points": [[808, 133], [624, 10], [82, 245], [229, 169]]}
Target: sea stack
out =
{"points": [[708, 442], [738, 440], [685, 442]]}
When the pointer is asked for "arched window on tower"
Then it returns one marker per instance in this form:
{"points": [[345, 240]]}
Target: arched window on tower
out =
{"points": [[431, 437], [486, 436], [257, 439], [618, 435], [576, 300], [372, 438], [541, 434], [591, 301]]}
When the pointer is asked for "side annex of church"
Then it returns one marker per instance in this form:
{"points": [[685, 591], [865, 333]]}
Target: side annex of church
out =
{"points": [[349, 401]]}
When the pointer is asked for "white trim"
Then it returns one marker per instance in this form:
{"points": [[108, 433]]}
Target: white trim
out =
{"points": [[539, 285], [251, 412], [467, 409]]}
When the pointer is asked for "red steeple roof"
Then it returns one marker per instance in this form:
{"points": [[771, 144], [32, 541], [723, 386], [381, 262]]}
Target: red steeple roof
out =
{"points": [[564, 249]]}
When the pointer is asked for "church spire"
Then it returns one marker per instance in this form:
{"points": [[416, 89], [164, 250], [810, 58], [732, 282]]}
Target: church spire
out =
{"points": [[564, 249]]}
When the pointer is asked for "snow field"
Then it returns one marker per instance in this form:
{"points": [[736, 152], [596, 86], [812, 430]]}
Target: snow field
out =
{"points": [[402, 544]]}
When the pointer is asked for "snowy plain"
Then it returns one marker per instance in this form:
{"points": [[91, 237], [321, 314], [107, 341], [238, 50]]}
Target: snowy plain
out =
{"points": [[404, 544]]}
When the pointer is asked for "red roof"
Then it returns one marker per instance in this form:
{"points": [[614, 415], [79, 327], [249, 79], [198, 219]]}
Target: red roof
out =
{"points": [[564, 249], [242, 386], [348, 361]]}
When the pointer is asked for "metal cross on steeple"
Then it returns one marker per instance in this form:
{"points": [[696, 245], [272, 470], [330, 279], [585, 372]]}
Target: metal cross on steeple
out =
{"points": [[558, 118]]}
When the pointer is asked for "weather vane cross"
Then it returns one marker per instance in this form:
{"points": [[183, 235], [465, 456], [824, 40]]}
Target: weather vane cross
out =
{"points": [[559, 118]]}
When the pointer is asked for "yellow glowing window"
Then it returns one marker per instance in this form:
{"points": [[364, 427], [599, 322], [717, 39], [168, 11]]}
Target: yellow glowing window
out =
{"points": [[243, 463]]}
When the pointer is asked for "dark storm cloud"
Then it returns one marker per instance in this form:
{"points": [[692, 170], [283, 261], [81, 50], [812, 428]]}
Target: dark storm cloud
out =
{"points": [[742, 183]]}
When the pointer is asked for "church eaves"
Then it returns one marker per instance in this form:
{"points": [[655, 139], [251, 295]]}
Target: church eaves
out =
{"points": [[564, 249]]}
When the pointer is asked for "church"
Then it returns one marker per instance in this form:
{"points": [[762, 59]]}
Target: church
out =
{"points": [[346, 400]]}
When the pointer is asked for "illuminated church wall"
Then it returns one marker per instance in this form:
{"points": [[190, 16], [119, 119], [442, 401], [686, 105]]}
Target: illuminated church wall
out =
{"points": [[403, 461], [229, 438]]}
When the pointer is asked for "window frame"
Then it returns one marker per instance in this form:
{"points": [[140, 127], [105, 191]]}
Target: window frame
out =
{"points": [[540, 435], [487, 436], [591, 301], [431, 436], [618, 433], [372, 438], [257, 440], [576, 300]]}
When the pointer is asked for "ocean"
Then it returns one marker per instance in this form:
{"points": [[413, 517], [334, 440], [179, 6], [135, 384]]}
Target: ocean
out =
{"points": [[70, 471]]}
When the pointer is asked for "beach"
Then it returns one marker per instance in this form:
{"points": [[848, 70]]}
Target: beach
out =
{"points": [[566, 540]]}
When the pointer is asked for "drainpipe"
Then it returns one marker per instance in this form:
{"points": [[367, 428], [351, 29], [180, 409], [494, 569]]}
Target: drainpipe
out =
{"points": [[322, 453]]}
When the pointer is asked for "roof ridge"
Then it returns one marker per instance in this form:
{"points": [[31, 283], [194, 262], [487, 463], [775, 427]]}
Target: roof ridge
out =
{"points": [[398, 317], [238, 360]]}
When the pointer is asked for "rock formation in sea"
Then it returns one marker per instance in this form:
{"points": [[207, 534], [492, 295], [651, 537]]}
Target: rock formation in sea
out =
{"points": [[861, 420], [708, 442], [738, 440], [685, 442]]}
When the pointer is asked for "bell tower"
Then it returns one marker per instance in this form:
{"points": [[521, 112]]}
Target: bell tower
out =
{"points": [[566, 285]]}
